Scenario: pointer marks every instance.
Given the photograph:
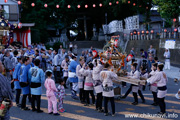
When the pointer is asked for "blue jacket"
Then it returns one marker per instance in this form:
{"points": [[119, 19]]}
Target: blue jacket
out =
{"points": [[16, 76], [72, 68], [36, 75], [23, 72], [31, 52]]}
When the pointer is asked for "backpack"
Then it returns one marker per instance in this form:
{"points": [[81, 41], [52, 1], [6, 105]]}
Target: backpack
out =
{"points": [[144, 64]]}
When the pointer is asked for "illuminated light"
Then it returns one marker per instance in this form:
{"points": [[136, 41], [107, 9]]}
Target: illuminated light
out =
{"points": [[117, 2], [45, 5], [32, 4], [94, 5], [86, 6], [78, 6], [100, 5], [110, 3], [57, 6], [69, 6]]}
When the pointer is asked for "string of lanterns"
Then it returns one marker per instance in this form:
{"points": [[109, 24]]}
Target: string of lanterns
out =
{"points": [[78, 6]]}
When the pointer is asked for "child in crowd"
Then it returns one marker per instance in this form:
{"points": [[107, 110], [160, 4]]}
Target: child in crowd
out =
{"points": [[50, 93], [61, 95]]}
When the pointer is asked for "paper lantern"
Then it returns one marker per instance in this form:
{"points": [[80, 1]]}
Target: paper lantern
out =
{"points": [[86, 6], [95, 53], [142, 32], [45, 5], [174, 20], [19, 2], [94, 5], [100, 5], [116, 43], [57, 6], [110, 3], [175, 30], [19, 25], [134, 4], [5, 1], [129, 2], [32, 4], [117, 2], [147, 32], [152, 31], [165, 30], [78, 6], [129, 57], [69, 6], [138, 33]]}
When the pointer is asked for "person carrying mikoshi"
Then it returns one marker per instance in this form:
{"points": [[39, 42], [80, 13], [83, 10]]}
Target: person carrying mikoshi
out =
{"points": [[161, 79], [107, 77], [153, 87], [98, 84], [134, 74], [86, 70]]}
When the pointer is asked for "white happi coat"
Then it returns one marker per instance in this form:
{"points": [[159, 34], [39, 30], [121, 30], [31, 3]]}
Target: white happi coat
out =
{"points": [[153, 86], [96, 77], [144, 76], [136, 75], [64, 66], [161, 80], [80, 76], [88, 84], [107, 77]]}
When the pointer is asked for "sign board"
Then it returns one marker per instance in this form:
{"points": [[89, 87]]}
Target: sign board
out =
{"points": [[132, 23], [113, 26], [170, 44]]}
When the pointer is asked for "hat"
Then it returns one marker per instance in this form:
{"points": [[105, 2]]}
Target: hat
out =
{"points": [[49, 71], [29, 45], [51, 49], [66, 56]]}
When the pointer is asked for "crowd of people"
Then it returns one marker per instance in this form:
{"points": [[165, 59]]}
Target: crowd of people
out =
{"points": [[27, 70]]}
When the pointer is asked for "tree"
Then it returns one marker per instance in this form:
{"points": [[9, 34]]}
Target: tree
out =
{"points": [[169, 9]]}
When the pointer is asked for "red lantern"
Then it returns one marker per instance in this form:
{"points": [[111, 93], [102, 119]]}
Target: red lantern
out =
{"points": [[174, 20], [165, 30], [32, 4], [69, 6], [110, 3], [95, 53], [142, 32], [146, 7], [129, 57], [100, 5], [19, 2], [116, 43], [45, 5], [78, 6], [140, 6], [152, 31], [147, 32], [94, 5], [129, 2], [134, 4], [117, 2], [86, 6], [131, 34], [20, 25], [57, 6], [175, 30], [138, 33], [134, 32], [5, 1]]}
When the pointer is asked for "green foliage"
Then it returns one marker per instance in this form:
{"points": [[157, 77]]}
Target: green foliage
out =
{"points": [[168, 9], [56, 45]]}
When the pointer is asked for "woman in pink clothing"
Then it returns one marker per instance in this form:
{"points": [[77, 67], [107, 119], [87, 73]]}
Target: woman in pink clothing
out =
{"points": [[50, 93]]}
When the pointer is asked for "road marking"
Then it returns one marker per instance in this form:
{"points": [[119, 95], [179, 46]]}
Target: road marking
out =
{"points": [[173, 110], [14, 118]]}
